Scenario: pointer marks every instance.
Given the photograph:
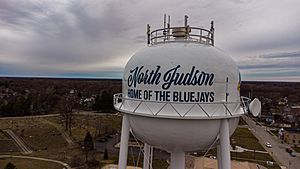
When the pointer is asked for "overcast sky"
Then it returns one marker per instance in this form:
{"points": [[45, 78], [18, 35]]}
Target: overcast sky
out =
{"points": [[95, 38]]}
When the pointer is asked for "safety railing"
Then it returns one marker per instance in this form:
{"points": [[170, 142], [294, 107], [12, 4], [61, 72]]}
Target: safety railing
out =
{"points": [[179, 34], [119, 102]]}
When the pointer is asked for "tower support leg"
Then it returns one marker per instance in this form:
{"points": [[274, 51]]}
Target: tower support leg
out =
{"points": [[151, 156], [219, 157], [146, 156], [177, 160], [225, 144], [124, 142]]}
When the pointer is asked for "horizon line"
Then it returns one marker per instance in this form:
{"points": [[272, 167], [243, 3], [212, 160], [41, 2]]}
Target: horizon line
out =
{"points": [[116, 78]]}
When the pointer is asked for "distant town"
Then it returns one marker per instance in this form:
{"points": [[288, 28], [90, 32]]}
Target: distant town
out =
{"points": [[280, 102], [71, 123]]}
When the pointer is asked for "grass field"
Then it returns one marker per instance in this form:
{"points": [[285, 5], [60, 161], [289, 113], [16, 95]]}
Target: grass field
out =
{"points": [[43, 137], [297, 149], [29, 164], [244, 138], [259, 158], [96, 125]]}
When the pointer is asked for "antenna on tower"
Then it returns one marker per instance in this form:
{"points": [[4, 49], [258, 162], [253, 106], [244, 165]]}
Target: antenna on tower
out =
{"points": [[148, 34], [168, 26], [187, 27], [185, 20], [212, 29], [165, 21], [165, 30]]}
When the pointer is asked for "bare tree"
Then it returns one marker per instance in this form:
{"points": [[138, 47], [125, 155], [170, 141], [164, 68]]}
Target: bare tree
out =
{"points": [[68, 105]]}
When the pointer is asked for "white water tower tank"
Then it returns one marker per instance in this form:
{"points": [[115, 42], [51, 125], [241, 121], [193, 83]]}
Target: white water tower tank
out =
{"points": [[177, 91]]}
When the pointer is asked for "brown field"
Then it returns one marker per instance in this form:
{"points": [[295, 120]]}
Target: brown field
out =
{"points": [[29, 164], [8, 146], [44, 135], [2, 135], [98, 126]]}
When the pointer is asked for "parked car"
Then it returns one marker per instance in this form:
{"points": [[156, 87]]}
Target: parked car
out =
{"points": [[212, 157], [289, 150], [270, 163], [268, 145]]}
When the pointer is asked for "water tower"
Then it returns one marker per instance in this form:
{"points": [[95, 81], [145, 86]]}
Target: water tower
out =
{"points": [[180, 94]]}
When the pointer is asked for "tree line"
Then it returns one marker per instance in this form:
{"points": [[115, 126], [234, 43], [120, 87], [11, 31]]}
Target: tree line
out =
{"points": [[37, 97]]}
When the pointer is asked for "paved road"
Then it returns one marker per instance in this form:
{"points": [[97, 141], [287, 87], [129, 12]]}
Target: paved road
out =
{"points": [[28, 117], [67, 166], [278, 150], [21, 144], [92, 113]]}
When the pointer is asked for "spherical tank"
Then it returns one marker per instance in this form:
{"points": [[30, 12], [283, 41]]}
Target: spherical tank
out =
{"points": [[176, 94]]}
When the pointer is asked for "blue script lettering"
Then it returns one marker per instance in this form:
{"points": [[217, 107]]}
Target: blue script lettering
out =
{"points": [[194, 77], [137, 76]]}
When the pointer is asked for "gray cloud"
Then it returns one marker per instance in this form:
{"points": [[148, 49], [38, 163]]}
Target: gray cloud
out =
{"points": [[72, 37], [282, 55], [270, 42], [273, 65]]}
